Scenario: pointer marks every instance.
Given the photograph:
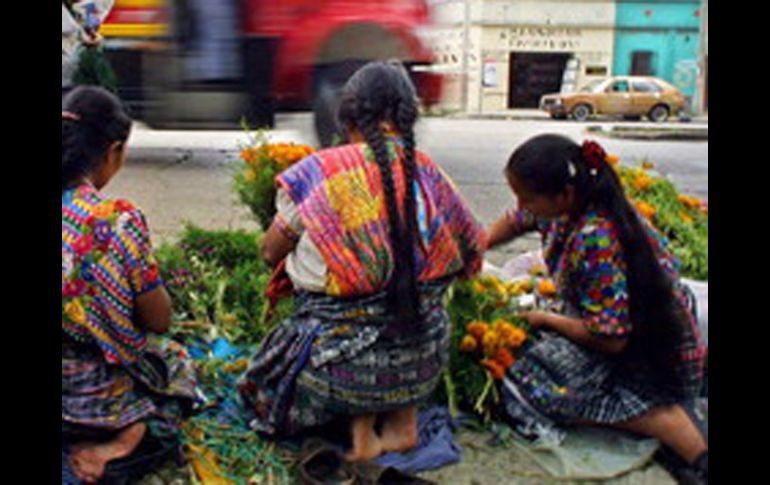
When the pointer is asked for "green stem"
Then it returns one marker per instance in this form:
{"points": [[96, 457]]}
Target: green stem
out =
{"points": [[478, 407], [450, 391]]}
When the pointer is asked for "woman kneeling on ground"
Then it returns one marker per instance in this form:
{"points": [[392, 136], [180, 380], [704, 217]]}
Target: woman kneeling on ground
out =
{"points": [[372, 233], [621, 348], [124, 391]]}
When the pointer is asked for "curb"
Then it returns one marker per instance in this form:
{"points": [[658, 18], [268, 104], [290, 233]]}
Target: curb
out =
{"points": [[652, 134]]}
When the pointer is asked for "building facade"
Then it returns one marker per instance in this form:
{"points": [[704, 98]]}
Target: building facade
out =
{"points": [[659, 38], [500, 55]]}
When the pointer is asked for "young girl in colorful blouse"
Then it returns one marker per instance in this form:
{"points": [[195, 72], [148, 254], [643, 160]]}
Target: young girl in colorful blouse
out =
{"points": [[621, 348], [372, 233], [124, 391]]}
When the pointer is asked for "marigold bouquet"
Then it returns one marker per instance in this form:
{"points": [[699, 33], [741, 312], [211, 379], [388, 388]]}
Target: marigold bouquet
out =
{"points": [[261, 161], [488, 336]]}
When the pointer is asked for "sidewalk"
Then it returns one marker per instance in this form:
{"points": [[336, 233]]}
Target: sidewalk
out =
{"points": [[539, 115], [143, 136]]}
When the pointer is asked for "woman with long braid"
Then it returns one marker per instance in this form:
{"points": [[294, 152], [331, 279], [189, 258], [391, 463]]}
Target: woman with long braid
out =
{"points": [[371, 234]]}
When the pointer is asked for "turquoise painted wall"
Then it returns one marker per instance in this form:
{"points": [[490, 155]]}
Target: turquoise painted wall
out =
{"points": [[670, 29]]}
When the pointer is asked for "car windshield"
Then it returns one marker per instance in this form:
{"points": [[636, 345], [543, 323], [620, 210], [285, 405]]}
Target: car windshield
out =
{"points": [[593, 86]]}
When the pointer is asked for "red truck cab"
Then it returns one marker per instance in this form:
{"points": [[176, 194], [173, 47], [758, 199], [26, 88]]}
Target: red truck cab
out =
{"points": [[294, 54]]}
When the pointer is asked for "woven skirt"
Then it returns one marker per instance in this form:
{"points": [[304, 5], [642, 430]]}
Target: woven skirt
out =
{"points": [[333, 359]]}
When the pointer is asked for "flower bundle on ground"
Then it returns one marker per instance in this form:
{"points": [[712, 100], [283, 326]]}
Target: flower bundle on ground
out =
{"points": [[487, 335], [260, 162], [682, 219]]}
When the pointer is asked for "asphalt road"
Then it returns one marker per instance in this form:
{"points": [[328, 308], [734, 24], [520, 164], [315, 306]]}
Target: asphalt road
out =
{"points": [[186, 176]]}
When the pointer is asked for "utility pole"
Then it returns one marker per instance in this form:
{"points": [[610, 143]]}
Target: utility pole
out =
{"points": [[466, 48]]}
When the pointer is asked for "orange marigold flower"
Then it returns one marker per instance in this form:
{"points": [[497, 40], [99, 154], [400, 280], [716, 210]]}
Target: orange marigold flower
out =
{"points": [[504, 357], [477, 329], [468, 344], [686, 218], [645, 209], [478, 286], [516, 337], [495, 369], [612, 159], [642, 183], [546, 287]]}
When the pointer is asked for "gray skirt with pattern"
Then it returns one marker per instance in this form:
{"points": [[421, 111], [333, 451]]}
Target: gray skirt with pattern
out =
{"points": [[333, 358]]}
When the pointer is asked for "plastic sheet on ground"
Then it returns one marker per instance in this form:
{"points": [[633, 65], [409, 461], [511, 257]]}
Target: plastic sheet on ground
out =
{"points": [[588, 453]]}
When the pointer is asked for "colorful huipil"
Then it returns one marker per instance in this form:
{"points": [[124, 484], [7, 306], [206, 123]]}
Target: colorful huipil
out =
{"points": [[107, 263], [566, 381], [332, 357]]}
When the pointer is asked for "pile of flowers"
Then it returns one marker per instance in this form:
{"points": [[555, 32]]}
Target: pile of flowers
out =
{"points": [[261, 161], [494, 343], [682, 219]]}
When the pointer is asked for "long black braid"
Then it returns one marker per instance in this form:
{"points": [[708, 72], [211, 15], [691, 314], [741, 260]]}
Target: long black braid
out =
{"points": [[380, 92], [92, 120]]}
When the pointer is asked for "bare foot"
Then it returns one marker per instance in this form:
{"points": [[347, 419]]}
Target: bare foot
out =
{"points": [[89, 459], [399, 431], [366, 443]]}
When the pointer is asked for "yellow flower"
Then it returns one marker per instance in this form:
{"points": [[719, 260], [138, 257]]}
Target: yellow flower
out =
{"points": [[468, 344], [686, 218], [612, 159], [477, 329], [642, 183], [647, 165], [250, 175], [546, 287], [490, 342], [75, 311]]}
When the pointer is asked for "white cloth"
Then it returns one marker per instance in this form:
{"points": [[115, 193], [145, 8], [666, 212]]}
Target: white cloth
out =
{"points": [[305, 266]]}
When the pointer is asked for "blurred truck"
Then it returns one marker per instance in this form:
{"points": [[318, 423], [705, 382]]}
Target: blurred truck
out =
{"points": [[290, 55]]}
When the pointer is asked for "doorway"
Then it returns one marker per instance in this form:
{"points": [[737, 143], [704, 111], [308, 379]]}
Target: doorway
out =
{"points": [[533, 74]]}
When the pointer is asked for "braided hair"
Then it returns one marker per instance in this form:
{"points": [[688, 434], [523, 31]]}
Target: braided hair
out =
{"points": [[377, 93], [546, 164], [92, 120]]}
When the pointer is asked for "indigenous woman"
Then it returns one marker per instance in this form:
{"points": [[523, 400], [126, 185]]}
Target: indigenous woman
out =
{"points": [[372, 233]]}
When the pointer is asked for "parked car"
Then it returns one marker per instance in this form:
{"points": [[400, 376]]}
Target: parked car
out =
{"points": [[628, 96]]}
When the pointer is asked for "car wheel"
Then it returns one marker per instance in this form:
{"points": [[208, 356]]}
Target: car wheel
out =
{"points": [[658, 113], [581, 112]]}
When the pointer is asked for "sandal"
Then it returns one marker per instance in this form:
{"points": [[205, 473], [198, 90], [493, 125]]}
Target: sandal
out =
{"points": [[369, 473], [323, 465]]}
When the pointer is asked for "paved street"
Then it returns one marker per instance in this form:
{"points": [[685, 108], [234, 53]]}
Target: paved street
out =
{"points": [[186, 176]]}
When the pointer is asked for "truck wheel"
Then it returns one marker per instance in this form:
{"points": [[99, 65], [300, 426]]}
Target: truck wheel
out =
{"points": [[659, 113], [581, 112]]}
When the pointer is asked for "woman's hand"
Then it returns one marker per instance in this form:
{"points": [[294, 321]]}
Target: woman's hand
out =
{"points": [[537, 318], [92, 39]]}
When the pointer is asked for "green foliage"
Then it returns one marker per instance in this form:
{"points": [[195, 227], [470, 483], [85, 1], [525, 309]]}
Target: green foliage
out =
{"points": [[218, 279], [686, 227]]}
